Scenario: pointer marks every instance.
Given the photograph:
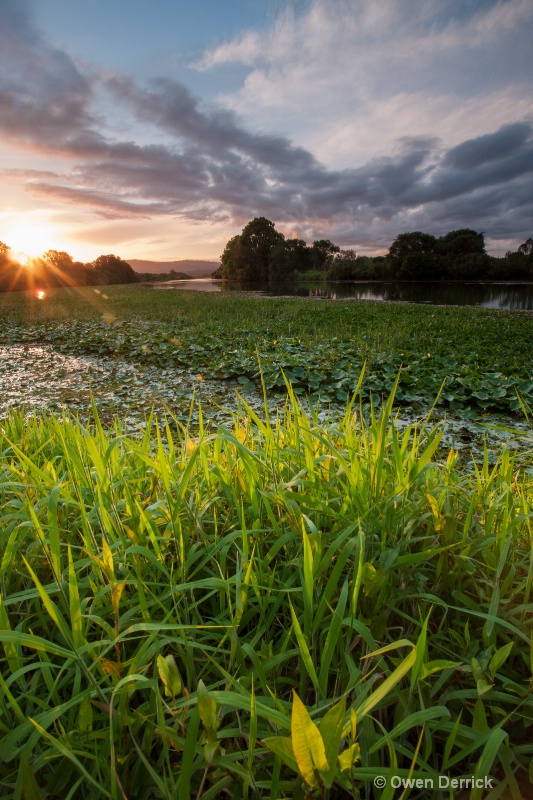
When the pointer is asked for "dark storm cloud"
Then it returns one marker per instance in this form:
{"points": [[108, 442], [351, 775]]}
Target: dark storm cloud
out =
{"points": [[171, 107], [211, 167], [42, 93], [508, 141]]}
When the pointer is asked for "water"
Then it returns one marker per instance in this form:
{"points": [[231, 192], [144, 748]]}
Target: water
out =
{"points": [[510, 296]]}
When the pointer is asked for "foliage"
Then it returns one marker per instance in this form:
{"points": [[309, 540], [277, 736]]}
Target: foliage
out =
{"points": [[261, 253], [111, 269], [462, 242], [155, 277], [322, 250], [347, 266], [409, 244], [484, 356], [247, 256], [526, 248], [56, 268], [165, 599]]}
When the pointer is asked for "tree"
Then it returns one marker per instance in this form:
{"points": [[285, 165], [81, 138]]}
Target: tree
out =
{"points": [[299, 257], [58, 259], [527, 247], [55, 268], [258, 239], [111, 269], [322, 249], [247, 256], [342, 265], [230, 260], [411, 255], [408, 244], [463, 242]]}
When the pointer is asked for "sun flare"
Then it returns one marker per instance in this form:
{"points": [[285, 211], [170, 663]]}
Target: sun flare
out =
{"points": [[29, 238], [23, 258]]}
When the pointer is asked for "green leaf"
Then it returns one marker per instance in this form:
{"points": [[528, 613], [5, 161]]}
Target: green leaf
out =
{"points": [[331, 727], [207, 708], [282, 747], [15, 663], [499, 658], [304, 649], [35, 642], [85, 715], [490, 751], [436, 666], [479, 721], [389, 683], [30, 787]]}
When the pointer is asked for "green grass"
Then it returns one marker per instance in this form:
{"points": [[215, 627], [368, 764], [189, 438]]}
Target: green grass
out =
{"points": [[482, 357], [168, 598], [164, 599]]}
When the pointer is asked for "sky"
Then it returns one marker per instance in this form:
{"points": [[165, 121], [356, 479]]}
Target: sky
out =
{"points": [[157, 129]]}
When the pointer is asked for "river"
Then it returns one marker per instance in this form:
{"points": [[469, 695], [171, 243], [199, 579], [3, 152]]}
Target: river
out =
{"points": [[503, 295]]}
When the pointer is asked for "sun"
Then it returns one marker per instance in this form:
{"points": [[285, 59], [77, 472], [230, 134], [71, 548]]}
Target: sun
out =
{"points": [[30, 237]]}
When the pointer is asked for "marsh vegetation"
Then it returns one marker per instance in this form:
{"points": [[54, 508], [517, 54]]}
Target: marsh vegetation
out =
{"points": [[179, 602]]}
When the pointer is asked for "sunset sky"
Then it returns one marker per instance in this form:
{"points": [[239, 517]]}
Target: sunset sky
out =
{"points": [[158, 128]]}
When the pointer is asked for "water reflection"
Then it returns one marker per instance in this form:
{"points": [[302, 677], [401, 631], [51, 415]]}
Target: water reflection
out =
{"points": [[511, 296]]}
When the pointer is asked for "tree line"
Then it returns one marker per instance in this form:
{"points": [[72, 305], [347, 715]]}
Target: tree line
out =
{"points": [[57, 268], [261, 253]]}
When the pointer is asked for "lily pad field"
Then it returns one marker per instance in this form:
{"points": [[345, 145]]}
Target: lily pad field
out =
{"points": [[264, 548]]}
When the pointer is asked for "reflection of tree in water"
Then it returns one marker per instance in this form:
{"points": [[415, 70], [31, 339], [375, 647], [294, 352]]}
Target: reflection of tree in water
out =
{"points": [[517, 297]]}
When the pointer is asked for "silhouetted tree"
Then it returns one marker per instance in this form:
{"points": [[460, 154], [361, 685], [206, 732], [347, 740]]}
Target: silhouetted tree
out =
{"points": [[299, 257], [409, 256], [462, 242], [246, 257], [111, 269], [258, 239], [230, 260], [322, 249], [527, 247]]}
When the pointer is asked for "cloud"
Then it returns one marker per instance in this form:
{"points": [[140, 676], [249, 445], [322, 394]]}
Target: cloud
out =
{"points": [[42, 92], [509, 140], [210, 165], [373, 69]]}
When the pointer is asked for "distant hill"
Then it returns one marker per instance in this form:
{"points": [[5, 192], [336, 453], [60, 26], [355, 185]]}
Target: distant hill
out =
{"points": [[194, 268]]}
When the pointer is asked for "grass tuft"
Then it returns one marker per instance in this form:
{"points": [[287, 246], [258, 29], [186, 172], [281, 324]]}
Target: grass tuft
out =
{"points": [[165, 596]]}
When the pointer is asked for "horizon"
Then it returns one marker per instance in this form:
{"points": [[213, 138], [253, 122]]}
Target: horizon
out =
{"points": [[157, 133]]}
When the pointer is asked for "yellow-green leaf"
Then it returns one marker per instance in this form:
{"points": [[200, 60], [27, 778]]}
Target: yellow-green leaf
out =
{"points": [[307, 742], [169, 674], [349, 757], [108, 560], [116, 594], [499, 657]]}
